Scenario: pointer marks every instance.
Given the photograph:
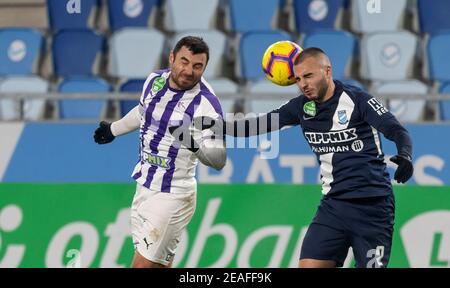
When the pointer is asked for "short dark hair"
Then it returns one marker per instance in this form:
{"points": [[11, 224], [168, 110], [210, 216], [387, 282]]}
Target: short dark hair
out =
{"points": [[308, 52], [195, 44]]}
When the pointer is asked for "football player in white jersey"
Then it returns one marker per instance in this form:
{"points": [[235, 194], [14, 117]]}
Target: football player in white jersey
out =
{"points": [[170, 147]]}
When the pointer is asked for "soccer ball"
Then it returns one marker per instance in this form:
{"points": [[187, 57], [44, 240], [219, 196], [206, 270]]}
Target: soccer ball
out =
{"points": [[278, 62]]}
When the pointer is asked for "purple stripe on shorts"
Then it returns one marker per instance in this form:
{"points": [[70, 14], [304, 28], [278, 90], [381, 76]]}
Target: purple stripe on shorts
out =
{"points": [[173, 151], [160, 134]]}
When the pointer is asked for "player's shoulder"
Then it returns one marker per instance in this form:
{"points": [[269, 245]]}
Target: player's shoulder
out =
{"points": [[206, 88], [207, 91], [209, 97], [355, 93], [158, 73], [295, 102]]}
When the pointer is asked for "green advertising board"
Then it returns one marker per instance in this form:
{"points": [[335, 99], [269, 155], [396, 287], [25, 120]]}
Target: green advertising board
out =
{"points": [[87, 225]]}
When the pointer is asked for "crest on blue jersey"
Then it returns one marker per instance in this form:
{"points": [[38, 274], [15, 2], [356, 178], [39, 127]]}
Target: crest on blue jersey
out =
{"points": [[342, 117]]}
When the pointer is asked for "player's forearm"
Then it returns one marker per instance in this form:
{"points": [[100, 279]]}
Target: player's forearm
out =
{"points": [[212, 153], [395, 132], [252, 126], [128, 123]]}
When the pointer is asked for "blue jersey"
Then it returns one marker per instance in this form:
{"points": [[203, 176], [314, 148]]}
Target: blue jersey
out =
{"points": [[344, 134]]}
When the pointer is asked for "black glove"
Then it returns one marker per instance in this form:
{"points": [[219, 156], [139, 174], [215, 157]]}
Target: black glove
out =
{"points": [[183, 135], [103, 134], [405, 168], [216, 126]]}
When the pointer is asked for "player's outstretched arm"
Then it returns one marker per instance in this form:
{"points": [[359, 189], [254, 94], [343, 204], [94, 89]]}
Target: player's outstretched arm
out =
{"points": [[394, 131], [107, 132], [210, 151], [285, 115]]}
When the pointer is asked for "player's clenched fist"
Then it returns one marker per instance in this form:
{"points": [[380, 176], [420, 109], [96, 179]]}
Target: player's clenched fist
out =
{"points": [[103, 134]]}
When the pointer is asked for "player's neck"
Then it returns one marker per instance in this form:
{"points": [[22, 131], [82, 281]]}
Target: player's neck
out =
{"points": [[172, 84], [329, 93]]}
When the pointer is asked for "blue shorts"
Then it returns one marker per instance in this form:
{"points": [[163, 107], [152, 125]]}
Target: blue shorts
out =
{"points": [[365, 224]]}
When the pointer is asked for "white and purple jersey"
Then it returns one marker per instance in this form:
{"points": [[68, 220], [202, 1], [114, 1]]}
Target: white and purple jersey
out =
{"points": [[163, 165]]}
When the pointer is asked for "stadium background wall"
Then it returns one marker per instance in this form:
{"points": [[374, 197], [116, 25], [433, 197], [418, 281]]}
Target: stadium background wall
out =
{"points": [[64, 153], [235, 225]]}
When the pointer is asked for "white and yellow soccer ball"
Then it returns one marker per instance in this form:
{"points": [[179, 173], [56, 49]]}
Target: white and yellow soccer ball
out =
{"points": [[278, 62]]}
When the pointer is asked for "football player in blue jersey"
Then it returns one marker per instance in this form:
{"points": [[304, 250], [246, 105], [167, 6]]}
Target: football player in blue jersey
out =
{"points": [[342, 125]]}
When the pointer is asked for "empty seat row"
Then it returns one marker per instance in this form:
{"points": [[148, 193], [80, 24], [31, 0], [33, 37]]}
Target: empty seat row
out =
{"points": [[384, 56], [241, 16]]}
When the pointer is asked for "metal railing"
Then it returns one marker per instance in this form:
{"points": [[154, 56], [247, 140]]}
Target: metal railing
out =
{"points": [[52, 96]]}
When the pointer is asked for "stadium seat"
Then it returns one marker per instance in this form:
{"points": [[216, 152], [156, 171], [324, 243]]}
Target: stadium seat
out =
{"points": [[10, 109], [64, 16], [388, 56], [338, 45], [135, 52], [243, 16], [444, 105], [130, 86], [81, 108], [20, 50], [389, 18], [404, 110], [438, 57], [317, 14], [202, 15], [75, 52], [129, 13], [433, 15]]}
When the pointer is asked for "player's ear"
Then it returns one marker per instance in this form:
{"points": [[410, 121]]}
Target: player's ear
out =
{"points": [[329, 71], [171, 57]]}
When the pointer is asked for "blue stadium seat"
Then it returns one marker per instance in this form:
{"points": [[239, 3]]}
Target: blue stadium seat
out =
{"points": [[433, 15], [338, 45], [444, 105], [76, 51], [135, 52], [131, 86], [317, 14], [19, 51], [438, 57], [81, 108], [129, 13], [388, 56], [10, 109], [243, 16], [389, 18], [202, 14], [404, 110], [64, 16]]}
